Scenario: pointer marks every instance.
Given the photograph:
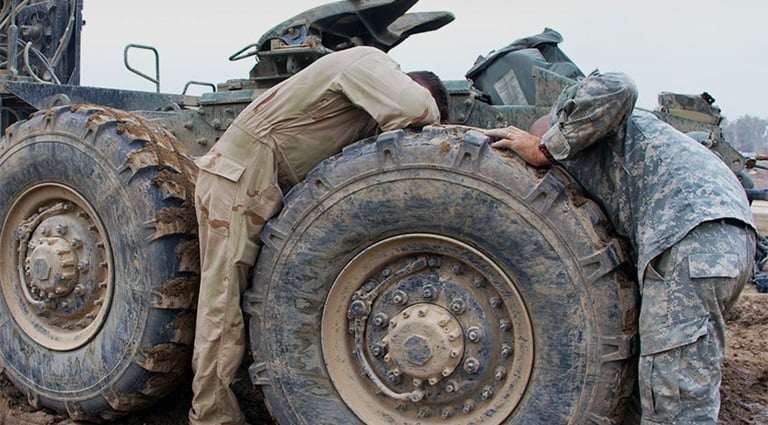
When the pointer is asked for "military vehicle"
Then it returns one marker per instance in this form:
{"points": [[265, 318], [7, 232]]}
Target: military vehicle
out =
{"points": [[416, 277]]}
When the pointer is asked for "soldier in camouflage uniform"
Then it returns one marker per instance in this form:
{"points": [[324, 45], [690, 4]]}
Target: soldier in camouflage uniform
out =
{"points": [[342, 97], [688, 222]]}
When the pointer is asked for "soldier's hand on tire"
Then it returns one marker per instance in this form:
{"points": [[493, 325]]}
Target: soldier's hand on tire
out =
{"points": [[521, 142]]}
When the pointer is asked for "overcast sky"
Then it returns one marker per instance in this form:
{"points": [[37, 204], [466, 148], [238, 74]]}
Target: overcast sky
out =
{"points": [[686, 46]]}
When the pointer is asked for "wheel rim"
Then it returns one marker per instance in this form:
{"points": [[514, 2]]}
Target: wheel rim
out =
{"points": [[424, 328], [58, 281]]}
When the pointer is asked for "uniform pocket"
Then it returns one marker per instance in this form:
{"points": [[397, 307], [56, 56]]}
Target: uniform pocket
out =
{"points": [[701, 266], [216, 190], [222, 166], [673, 336], [662, 368]]}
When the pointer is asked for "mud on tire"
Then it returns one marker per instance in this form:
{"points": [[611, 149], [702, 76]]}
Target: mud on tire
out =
{"points": [[99, 261], [426, 278]]}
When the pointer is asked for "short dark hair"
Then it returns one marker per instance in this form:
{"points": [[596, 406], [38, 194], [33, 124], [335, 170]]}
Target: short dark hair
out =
{"points": [[430, 81]]}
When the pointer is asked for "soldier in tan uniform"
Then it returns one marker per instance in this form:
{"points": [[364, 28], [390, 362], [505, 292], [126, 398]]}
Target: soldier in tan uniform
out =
{"points": [[341, 98]]}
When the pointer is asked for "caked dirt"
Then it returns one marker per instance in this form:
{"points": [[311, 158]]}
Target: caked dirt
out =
{"points": [[744, 389]]}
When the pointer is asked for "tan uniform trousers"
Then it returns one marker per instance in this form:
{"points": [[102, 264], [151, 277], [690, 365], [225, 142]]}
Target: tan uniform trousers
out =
{"points": [[233, 203]]}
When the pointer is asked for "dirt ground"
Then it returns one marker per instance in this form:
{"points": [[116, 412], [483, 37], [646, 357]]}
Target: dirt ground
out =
{"points": [[744, 390]]}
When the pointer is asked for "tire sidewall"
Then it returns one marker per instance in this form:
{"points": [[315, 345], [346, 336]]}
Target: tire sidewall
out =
{"points": [[472, 207]]}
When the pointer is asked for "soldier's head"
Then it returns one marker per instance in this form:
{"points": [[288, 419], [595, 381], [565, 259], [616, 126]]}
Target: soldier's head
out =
{"points": [[540, 126], [432, 82]]}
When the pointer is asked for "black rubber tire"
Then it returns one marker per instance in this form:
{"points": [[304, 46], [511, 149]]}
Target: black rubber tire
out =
{"points": [[128, 179], [444, 184]]}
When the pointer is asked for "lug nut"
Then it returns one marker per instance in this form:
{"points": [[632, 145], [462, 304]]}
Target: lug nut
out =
{"points": [[506, 350], [504, 325], [451, 387], [429, 292], [458, 306], [400, 298], [500, 373], [457, 269], [446, 413], [474, 334], [469, 406], [471, 365], [495, 302], [377, 350], [487, 392], [479, 282], [380, 320], [393, 376]]}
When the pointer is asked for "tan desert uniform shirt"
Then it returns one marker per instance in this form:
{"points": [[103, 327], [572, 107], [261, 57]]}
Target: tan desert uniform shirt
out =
{"points": [[341, 98]]}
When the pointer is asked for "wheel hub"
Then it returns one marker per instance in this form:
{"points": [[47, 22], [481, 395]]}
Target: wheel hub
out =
{"points": [[424, 342], [436, 329], [50, 267], [62, 286]]}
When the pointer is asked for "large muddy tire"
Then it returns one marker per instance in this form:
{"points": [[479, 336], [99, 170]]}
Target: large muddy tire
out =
{"points": [[98, 261], [426, 278]]}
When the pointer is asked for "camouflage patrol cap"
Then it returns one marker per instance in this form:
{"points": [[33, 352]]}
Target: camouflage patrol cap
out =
{"points": [[595, 106]]}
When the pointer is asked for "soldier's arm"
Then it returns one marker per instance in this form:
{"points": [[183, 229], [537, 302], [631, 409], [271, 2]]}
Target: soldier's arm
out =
{"points": [[376, 84]]}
